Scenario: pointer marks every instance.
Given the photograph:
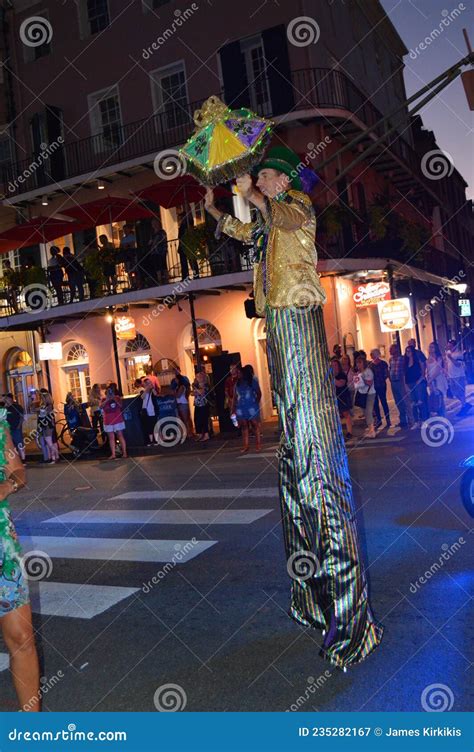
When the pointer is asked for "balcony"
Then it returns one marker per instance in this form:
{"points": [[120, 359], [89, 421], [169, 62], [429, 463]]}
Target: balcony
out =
{"points": [[313, 89], [31, 291]]}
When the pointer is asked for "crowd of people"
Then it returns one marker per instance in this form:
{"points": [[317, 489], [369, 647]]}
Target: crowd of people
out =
{"points": [[102, 268], [420, 384]]}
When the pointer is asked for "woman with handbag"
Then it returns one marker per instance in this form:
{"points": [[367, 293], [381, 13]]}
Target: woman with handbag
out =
{"points": [[416, 385], [437, 381], [114, 424], [365, 393], [15, 609], [149, 411]]}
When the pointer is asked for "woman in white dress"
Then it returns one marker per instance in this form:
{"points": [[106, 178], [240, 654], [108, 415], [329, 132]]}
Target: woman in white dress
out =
{"points": [[437, 380]]}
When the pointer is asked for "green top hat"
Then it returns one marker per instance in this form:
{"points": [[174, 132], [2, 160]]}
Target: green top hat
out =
{"points": [[285, 160]]}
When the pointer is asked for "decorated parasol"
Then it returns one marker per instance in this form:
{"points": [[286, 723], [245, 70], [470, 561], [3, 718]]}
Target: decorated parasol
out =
{"points": [[226, 143]]}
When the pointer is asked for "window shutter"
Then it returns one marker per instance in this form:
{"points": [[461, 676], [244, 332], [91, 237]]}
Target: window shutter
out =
{"points": [[54, 129], [278, 69], [236, 93]]}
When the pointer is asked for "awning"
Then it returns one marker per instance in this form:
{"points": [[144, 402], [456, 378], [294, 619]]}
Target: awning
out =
{"points": [[177, 192], [38, 230], [109, 209], [402, 271]]}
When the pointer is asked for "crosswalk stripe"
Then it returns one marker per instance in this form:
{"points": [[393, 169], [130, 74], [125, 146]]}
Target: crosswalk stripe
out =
{"points": [[75, 600], [116, 549], [163, 516], [201, 493]]}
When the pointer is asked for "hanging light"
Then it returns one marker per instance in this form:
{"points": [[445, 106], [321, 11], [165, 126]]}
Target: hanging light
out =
{"points": [[100, 185], [44, 201]]}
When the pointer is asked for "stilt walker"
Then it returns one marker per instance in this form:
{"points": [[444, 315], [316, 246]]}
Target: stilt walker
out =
{"points": [[329, 587]]}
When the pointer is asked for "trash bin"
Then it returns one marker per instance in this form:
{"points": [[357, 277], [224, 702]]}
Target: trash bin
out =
{"points": [[131, 414]]}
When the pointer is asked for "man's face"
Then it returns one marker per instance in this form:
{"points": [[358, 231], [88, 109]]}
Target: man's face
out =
{"points": [[411, 343], [271, 183], [393, 350]]}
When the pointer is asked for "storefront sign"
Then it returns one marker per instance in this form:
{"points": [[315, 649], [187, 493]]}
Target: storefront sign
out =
{"points": [[50, 351], [464, 307], [124, 327], [371, 293], [395, 315]]}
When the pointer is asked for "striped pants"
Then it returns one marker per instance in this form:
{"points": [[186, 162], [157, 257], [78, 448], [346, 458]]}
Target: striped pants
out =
{"points": [[329, 589]]}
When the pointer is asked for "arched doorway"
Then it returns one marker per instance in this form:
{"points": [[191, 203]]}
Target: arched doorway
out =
{"points": [[209, 340], [138, 362], [76, 369], [20, 372], [164, 371]]}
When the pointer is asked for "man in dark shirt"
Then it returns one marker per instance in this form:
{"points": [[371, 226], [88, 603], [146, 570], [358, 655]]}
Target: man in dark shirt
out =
{"points": [[381, 373], [15, 415], [75, 274], [421, 356]]}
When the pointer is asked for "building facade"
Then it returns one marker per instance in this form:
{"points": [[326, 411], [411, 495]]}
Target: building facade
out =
{"points": [[115, 89]]}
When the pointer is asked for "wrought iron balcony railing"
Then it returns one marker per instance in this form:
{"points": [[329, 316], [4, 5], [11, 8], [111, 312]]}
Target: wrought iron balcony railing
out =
{"points": [[312, 88]]}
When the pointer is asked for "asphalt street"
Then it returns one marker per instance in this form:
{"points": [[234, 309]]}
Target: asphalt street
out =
{"points": [[162, 580]]}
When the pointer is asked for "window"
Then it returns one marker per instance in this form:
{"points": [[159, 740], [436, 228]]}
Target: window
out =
{"points": [[170, 96], [256, 68], [97, 15], [77, 352], [36, 32], [137, 344], [76, 366], [5, 150], [151, 5], [106, 119]]}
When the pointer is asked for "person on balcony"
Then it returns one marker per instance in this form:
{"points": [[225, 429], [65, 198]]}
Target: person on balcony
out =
{"points": [[55, 273], [329, 587], [108, 259], [75, 275], [185, 224], [157, 254], [10, 277], [128, 245]]}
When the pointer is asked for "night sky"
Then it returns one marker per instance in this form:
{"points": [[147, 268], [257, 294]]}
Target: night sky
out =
{"points": [[448, 114]]}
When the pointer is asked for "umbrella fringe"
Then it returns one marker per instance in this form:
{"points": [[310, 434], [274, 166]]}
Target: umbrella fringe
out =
{"points": [[228, 170]]}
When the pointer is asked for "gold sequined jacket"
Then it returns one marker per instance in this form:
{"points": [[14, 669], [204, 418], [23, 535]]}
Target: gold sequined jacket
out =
{"points": [[291, 257]]}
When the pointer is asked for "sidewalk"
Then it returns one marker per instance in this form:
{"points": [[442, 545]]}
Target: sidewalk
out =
{"points": [[270, 437]]}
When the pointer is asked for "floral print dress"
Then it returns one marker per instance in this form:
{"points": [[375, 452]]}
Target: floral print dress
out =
{"points": [[13, 587]]}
